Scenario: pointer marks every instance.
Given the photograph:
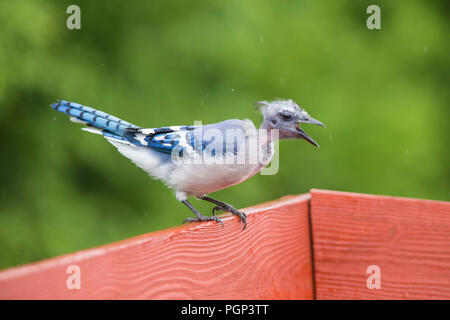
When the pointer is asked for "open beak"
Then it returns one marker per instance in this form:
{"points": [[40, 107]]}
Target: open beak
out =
{"points": [[303, 134]]}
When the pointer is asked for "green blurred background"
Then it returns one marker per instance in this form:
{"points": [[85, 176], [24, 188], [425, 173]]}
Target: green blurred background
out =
{"points": [[383, 95]]}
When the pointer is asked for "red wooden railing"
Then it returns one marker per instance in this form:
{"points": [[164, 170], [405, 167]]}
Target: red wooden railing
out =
{"points": [[317, 245]]}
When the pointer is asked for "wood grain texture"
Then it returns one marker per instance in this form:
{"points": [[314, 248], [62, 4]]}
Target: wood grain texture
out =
{"points": [[268, 260], [409, 239]]}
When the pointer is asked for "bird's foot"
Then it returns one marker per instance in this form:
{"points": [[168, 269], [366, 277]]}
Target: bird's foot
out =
{"points": [[222, 206], [203, 218], [241, 215]]}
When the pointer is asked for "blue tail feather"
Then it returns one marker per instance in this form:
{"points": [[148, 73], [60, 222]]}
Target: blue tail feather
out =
{"points": [[95, 118]]}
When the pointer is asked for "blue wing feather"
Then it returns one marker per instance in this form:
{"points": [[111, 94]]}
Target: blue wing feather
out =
{"points": [[163, 139]]}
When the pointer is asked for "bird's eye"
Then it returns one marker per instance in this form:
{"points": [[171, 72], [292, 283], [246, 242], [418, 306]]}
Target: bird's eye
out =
{"points": [[286, 116]]}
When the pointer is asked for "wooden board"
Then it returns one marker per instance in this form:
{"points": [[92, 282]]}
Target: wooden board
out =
{"points": [[268, 260], [409, 239]]}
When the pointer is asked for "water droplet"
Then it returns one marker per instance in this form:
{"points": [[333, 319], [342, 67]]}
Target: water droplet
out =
{"points": [[54, 118], [232, 90], [261, 38]]}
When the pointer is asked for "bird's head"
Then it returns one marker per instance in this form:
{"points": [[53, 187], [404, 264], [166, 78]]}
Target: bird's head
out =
{"points": [[286, 116]]}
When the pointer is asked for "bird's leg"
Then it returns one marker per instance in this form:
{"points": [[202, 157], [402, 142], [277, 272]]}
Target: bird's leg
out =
{"points": [[226, 207], [200, 217]]}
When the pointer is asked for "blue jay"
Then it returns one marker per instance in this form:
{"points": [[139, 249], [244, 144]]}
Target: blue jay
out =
{"points": [[196, 160]]}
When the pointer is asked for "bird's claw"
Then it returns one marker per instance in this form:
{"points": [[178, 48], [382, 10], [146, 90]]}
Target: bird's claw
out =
{"points": [[217, 208], [241, 215]]}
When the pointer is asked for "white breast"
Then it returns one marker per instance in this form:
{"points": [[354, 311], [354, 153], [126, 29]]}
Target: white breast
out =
{"points": [[200, 174], [214, 173]]}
